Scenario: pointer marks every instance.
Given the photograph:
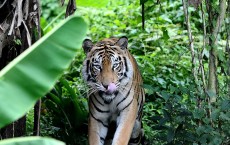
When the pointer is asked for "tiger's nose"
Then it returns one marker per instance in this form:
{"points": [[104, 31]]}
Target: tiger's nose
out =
{"points": [[105, 86]]}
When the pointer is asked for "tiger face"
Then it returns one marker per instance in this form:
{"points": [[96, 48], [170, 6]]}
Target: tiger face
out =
{"points": [[107, 68]]}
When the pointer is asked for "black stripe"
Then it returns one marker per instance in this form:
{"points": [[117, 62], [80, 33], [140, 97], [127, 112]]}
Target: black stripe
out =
{"points": [[140, 110], [142, 96], [102, 138], [98, 120], [141, 100], [108, 101], [100, 53], [100, 93], [87, 66], [139, 115], [123, 99], [125, 76], [125, 95], [93, 80], [127, 84], [126, 66], [116, 94], [97, 100], [113, 48], [126, 106], [141, 105], [119, 67], [98, 109], [88, 78], [95, 51], [111, 51], [138, 96], [105, 47], [91, 70]]}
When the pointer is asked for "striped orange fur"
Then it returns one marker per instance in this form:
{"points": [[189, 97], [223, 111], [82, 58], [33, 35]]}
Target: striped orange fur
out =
{"points": [[116, 96]]}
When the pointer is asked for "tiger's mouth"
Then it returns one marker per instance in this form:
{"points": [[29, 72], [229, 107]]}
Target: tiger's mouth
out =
{"points": [[109, 89], [110, 93], [107, 92]]}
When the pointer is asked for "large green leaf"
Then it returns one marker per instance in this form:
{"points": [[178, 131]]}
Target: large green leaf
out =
{"points": [[31, 141], [34, 72]]}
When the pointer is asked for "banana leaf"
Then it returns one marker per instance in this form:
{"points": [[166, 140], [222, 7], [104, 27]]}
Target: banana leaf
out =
{"points": [[32, 74], [31, 141]]}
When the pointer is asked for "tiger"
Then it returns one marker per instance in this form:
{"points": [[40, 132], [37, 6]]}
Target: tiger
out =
{"points": [[116, 96]]}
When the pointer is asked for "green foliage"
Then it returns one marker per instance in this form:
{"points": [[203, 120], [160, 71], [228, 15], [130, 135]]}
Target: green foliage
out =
{"points": [[171, 112], [51, 9], [92, 3], [52, 13], [20, 74], [29, 76], [67, 111]]}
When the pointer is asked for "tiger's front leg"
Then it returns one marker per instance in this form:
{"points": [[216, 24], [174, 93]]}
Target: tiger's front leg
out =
{"points": [[125, 124], [97, 131]]}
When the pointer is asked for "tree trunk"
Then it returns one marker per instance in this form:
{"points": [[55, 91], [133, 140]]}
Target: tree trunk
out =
{"points": [[215, 23], [228, 49], [37, 115], [228, 53], [19, 28]]}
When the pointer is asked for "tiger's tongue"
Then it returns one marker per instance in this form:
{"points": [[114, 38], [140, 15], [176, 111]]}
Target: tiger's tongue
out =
{"points": [[111, 88]]}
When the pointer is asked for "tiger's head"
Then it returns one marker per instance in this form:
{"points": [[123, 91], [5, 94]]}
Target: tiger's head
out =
{"points": [[107, 67]]}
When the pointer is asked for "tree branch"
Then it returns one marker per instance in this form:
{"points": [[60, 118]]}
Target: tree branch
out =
{"points": [[190, 40], [202, 51], [191, 46], [143, 15]]}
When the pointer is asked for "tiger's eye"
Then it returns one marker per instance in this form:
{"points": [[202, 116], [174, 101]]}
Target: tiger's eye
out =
{"points": [[115, 65]]}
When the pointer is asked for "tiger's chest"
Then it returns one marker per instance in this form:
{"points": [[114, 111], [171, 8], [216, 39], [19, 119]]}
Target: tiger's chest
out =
{"points": [[108, 107]]}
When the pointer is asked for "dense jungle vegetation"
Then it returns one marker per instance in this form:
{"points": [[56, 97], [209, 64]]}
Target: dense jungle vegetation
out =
{"points": [[182, 55]]}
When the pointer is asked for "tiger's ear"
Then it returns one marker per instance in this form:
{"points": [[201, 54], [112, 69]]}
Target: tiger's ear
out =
{"points": [[123, 42], [87, 45]]}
